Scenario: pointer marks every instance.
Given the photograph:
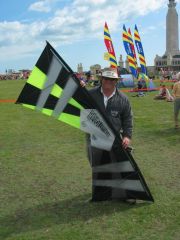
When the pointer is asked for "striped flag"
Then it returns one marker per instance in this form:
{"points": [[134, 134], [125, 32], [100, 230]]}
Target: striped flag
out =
{"points": [[53, 89], [132, 46], [140, 51], [109, 46], [130, 54]]}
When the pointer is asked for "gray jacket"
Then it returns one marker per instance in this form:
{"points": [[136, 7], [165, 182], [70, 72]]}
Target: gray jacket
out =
{"points": [[118, 110]]}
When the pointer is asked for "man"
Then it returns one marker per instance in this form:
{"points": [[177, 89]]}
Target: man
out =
{"points": [[176, 95], [115, 105]]}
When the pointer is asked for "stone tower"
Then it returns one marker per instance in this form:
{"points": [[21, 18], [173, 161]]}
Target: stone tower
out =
{"points": [[170, 61], [172, 30], [80, 68], [127, 64], [121, 62]]}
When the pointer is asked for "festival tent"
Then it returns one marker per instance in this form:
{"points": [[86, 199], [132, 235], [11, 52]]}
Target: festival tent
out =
{"points": [[147, 83], [151, 86], [126, 80]]}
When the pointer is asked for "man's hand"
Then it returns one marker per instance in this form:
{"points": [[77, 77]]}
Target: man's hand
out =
{"points": [[82, 83], [125, 142]]}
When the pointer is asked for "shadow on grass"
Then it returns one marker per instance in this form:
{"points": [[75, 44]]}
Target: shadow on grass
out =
{"points": [[171, 135], [68, 211], [162, 132]]}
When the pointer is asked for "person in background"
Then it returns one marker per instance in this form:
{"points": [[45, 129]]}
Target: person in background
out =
{"points": [[162, 93], [169, 97], [176, 95], [140, 87]]}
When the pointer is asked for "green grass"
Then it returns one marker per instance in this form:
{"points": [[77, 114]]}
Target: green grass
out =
{"points": [[45, 178]]}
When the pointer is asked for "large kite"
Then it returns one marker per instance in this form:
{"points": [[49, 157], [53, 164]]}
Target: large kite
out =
{"points": [[54, 89]]}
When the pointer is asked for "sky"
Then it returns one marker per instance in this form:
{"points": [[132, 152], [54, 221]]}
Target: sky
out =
{"points": [[75, 28]]}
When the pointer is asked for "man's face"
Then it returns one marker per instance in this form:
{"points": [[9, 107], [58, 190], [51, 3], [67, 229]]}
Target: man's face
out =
{"points": [[108, 83]]}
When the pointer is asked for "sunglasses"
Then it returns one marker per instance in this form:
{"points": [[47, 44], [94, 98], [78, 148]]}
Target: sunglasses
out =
{"points": [[110, 79]]}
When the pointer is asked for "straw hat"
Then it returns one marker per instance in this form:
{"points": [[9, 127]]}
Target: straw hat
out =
{"points": [[110, 73]]}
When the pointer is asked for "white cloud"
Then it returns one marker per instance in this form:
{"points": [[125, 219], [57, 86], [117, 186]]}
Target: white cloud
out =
{"points": [[11, 32], [42, 6], [23, 50], [90, 2], [80, 19], [16, 33]]}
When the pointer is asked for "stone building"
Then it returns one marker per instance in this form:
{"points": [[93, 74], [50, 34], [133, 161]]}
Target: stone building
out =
{"points": [[95, 69]]}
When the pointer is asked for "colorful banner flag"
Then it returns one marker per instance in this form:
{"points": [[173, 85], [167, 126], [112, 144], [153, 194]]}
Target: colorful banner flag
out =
{"points": [[140, 51], [109, 46], [130, 55], [132, 46]]}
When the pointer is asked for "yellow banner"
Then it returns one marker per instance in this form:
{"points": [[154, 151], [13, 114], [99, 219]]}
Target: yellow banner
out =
{"points": [[106, 56]]}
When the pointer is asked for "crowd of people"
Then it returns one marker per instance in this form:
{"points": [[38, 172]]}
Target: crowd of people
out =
{"points": [[169, 94], [165, 74], [15, 75]]}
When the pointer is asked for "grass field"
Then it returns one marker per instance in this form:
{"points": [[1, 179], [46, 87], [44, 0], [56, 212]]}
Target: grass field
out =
{"points": [[45, 178]]}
